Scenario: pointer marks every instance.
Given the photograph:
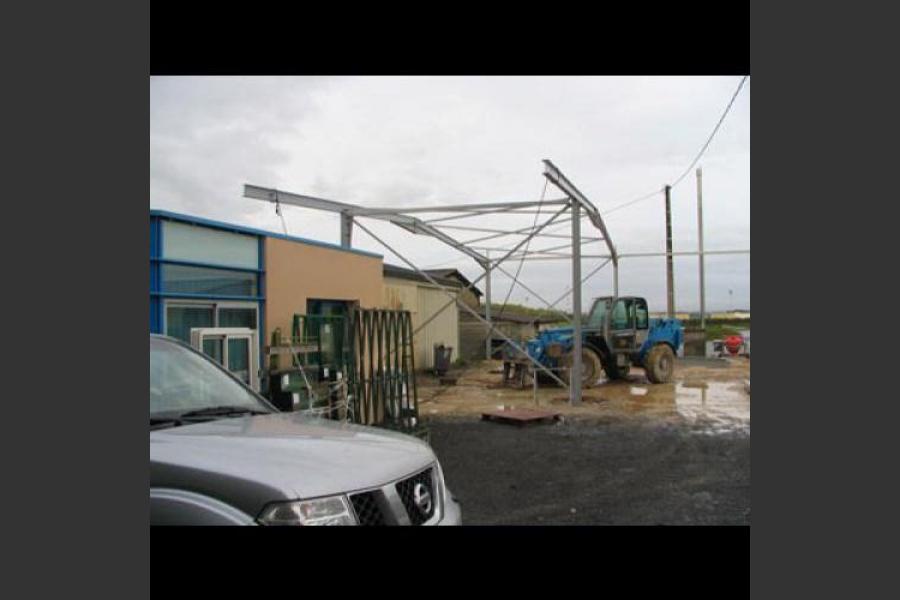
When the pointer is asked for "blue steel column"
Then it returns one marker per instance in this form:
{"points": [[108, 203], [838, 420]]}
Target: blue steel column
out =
{"points": [[155, 253], [261, 325]]}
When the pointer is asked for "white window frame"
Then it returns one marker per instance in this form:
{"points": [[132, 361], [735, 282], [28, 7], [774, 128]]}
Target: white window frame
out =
{"points": [[198, 334], [214, 304]]}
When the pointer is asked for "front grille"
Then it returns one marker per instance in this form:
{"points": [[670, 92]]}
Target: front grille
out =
{"points": [[407, 488], [366, 508]]}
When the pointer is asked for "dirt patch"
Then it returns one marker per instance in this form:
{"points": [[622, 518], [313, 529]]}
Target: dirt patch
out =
{"points": [[713, 394]]}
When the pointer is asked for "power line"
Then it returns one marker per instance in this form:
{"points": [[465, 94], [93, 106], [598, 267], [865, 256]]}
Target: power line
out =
{"points": [[712, 135], [694, 162], [630, 202]]}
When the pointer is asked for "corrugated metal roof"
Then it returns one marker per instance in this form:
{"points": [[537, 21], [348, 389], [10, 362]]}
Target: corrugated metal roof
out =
{"points": [[454, 274], [411, 275]]}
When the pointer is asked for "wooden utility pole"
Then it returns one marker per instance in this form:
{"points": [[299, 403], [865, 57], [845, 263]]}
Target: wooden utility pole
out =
{"points": [[670, 278], [700, 247]]}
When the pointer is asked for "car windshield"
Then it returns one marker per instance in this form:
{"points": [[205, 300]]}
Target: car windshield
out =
{"points": [[183, 381]]}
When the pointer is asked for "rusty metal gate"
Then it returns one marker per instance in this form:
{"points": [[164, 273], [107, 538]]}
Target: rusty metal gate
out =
{"points": [[382, 380]]}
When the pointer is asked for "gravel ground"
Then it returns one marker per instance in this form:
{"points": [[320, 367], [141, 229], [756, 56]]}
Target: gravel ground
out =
{"points": [[595, 472]]}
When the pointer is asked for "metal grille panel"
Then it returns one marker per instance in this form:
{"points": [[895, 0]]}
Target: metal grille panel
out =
{"points": [[406, 489], [367, 510]]}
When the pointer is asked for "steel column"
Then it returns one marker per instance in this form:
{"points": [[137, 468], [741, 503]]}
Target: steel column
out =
{"points": [[575, 374], [346, 230], [453, 295], [487, 306], [497, 262], [616, 279]]}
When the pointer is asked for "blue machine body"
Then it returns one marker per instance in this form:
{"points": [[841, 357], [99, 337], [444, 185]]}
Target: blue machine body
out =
{"points": [[661, 331], [665, 331]]}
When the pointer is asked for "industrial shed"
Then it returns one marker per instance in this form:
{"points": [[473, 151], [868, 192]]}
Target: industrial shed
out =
{"points": [[207, 274], [473, 333], [404, 289]]}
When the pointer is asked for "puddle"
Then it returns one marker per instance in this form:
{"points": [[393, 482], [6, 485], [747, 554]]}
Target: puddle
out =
{"points": [[713, 407], [716, 407]]}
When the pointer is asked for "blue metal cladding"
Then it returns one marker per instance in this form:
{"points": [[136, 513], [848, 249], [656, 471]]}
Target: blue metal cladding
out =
{"points": [[257, 232], [155, 251], [261, 291], [158, 294]]}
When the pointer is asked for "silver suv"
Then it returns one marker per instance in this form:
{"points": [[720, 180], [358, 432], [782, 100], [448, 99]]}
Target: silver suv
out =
{"points": [[220, 454]]}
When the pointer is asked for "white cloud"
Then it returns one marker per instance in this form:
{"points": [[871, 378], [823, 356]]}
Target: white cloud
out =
{"points": [[404, 141]]}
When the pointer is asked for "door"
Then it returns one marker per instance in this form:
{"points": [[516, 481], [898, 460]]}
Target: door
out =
{"points": [[622, 329], [326, 322], [641, 322], [235, 348]]}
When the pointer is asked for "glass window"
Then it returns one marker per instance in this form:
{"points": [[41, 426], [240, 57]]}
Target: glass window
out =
{"points": [[182, 241], [643, 316], [237, 317], [212, 347], [214, 282], [180, 320], [181, 317], [619, 319], [239, 358], [598, 313]]}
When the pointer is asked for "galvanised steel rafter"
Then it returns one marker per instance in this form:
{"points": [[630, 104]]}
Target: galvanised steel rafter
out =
{"points": [[575, 202]]}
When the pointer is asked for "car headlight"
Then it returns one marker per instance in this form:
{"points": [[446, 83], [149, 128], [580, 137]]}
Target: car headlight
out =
{"points": [[334, 510]]}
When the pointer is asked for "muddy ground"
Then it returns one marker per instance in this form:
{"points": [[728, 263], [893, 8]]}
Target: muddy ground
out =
{"points": [[633, 453]]}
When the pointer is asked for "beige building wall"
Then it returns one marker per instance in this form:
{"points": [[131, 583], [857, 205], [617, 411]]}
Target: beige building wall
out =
{"points": [[423, 300], [296, 272], [469, 297]]}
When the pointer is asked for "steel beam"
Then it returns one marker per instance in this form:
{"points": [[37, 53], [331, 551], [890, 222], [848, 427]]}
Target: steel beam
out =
{"points": [[418, 227], [273, 195], [371, 212], [475, 213], [348, 211], [493, 264], [535, 294], [453, 296], [583, 281], [557, 256], [514, 232], [681, 253], [551, 249], [656, 254], [556, 177]]}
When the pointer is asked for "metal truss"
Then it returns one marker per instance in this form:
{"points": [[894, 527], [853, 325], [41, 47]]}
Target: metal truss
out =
{"points": [[570, 210]]}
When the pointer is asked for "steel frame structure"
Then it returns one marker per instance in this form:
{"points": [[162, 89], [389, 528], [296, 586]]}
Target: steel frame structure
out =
{"points": [[574, 202]]}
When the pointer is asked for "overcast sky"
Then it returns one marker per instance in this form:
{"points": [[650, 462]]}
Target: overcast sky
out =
{"points": [[414, 141]]}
